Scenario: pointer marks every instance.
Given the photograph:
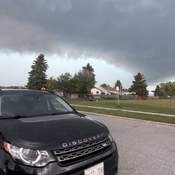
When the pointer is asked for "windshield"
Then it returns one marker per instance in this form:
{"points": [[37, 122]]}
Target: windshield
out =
{"points": [[32, 104]]}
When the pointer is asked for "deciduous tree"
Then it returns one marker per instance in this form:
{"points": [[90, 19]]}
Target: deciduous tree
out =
{"points": [[104, 85], [65, 84], [84, 80], [52, 84], [165, 89]]}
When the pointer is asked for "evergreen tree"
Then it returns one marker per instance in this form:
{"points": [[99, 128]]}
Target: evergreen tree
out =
{"points": [[37, 76], [157, 91], [119, 84], [139, 86]]}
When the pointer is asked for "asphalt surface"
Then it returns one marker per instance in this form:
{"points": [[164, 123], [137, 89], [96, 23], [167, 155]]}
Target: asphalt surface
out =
{"points": [[145, 148]]}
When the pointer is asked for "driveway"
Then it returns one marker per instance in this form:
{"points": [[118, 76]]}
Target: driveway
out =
{"points": [[145, 148]]}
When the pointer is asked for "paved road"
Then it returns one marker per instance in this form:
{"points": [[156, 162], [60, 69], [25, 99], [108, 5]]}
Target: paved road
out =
{"points": [[145, 148]]}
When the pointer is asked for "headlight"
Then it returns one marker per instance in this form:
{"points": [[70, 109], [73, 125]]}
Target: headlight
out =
{"points": [[27, 156], [110, 137]]}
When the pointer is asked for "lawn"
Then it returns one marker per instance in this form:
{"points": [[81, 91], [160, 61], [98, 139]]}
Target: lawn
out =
{"points": [[157, 106]]}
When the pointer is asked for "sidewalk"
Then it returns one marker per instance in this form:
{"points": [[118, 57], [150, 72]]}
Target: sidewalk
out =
{"points": [[140, 112]]}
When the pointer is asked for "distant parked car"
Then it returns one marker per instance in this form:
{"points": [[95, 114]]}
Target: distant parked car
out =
{"points": [[97, 97], [89, 97], [92, 97]]}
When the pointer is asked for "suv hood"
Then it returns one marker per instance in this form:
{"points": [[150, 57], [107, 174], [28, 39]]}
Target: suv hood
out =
{"points": [[50, 132]]}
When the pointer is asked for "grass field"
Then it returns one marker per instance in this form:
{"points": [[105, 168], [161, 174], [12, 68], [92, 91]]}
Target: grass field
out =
{"points": [[155, 106]]}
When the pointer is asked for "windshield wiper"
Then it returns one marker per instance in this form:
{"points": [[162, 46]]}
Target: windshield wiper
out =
{"points": [[1, 117], [20, 116], [12, 117], [35, 115], [58, 113]]}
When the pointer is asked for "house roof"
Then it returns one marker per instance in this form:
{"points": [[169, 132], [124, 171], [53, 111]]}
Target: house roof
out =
{"points": [[97, 88], [125, 90], [108, 88]]}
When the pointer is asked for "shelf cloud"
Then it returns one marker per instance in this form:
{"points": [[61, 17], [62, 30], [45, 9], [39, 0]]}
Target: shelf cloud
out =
{"points": [[137, 36]]}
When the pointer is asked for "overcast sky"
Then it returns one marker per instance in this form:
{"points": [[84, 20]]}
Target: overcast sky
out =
{"points": [[119, 38]]}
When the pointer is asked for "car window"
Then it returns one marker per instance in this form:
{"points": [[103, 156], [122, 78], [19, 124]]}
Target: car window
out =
{"points": [[31, 104], [58, 104]]}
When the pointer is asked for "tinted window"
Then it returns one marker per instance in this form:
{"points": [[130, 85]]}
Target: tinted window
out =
{"points": [[31, 104]]}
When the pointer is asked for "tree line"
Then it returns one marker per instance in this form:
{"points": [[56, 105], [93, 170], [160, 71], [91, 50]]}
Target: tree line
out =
{"points": [[83, 81], [165, 89]]}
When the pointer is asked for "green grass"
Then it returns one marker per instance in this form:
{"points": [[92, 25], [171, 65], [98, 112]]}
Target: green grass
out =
{"points": [[156, 118], [158, 106]]}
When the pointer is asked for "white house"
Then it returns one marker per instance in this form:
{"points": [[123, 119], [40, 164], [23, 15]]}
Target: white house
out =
{"points": [[96, 91], [150, 93], [108, 91]]}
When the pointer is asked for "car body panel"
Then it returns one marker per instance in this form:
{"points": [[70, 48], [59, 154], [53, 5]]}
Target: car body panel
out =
{"points": [[48, 132]]}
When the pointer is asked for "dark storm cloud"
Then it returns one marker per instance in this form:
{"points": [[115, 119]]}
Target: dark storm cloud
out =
{"points": [[136, 35]]}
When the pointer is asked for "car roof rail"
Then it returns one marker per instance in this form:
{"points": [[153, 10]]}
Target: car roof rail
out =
{"points": [[50, 91]]}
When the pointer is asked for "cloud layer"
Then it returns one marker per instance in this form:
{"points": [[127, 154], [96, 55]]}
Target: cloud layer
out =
{"points": [[135, 35]]}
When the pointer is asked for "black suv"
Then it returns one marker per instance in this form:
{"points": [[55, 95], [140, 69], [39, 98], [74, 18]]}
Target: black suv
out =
{"points": [[40, 134]]}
